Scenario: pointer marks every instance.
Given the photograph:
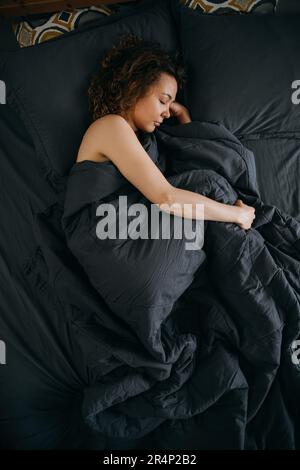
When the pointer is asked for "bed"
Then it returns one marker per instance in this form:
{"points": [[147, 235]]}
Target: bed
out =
{"points": [[77, 374]]}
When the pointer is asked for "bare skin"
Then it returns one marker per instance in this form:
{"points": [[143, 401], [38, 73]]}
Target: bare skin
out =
{"points": [[127, 154]]}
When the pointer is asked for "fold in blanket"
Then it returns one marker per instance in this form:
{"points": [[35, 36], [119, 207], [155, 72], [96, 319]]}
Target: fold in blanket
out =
{"points": [[175, 337]]}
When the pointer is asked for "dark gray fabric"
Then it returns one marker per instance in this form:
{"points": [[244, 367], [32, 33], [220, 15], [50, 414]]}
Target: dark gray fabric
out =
{"points": [[41, 384], [247, 88], [287, 6], [8, 40], [59, 331], [211, 327], [246, 84], [277, 160], [220, 363], [39, 406]]}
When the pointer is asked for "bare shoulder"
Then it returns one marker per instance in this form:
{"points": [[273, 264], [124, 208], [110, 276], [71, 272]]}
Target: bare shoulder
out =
{"points": [[109, 124], [97, 135], [109, 118], [114, 137]]}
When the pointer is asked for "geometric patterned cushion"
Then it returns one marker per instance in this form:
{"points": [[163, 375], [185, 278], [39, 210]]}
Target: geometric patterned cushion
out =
{"points": [[232, 6], [36, 29], [39, 28]]}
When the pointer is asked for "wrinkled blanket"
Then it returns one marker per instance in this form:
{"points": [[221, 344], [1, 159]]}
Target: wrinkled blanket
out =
{"points": [[196, 342]]}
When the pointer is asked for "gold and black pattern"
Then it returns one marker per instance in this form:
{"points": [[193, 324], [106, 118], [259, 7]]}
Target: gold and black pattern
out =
{"points": [[44, 27], [232, 6], [30, 32]]}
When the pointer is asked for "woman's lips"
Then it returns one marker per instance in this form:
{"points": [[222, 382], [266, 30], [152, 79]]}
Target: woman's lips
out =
{"points": [[157, 123]]}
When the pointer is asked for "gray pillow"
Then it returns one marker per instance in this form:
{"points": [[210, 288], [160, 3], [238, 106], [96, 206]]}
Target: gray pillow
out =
{"points": [[287, 6], [241, 69]]}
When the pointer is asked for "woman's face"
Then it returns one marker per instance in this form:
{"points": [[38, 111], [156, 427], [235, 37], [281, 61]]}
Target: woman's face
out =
{"points": [[152, 109]]}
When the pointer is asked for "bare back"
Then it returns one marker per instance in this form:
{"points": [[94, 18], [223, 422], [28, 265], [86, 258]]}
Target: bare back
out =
{"points": [[89, 147]]}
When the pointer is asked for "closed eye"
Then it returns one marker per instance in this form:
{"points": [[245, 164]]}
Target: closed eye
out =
{"points": [[162, 102]]}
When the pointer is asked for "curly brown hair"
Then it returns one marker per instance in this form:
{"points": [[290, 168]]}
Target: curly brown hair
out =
{"points": [[126, 72]]}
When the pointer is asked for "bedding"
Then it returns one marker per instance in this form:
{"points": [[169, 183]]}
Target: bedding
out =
{"points": [[37, 409], [287, 6], [236, 86], [83, 369], [229, 7], [40, 28], [224, 81], [194, 342], [7, 38], [42, 381]]}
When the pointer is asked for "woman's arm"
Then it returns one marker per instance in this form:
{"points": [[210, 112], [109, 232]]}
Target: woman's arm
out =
{"points": [[129, 156], [183, 203]]}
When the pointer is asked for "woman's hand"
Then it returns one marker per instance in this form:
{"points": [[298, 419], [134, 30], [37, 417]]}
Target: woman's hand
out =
{"points": [[246, 215], [180, 112]]}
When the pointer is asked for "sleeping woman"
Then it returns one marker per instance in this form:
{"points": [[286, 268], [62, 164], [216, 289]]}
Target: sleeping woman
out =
{"points": [[244, 282], [134, 92], [131, 95]]}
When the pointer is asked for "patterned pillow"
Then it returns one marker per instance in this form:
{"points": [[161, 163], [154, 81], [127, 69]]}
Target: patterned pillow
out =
{"points": [[40, 28], [232, 6]]}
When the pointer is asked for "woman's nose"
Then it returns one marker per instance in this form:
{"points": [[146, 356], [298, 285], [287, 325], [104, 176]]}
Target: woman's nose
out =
{"points": [[166, 114]]}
